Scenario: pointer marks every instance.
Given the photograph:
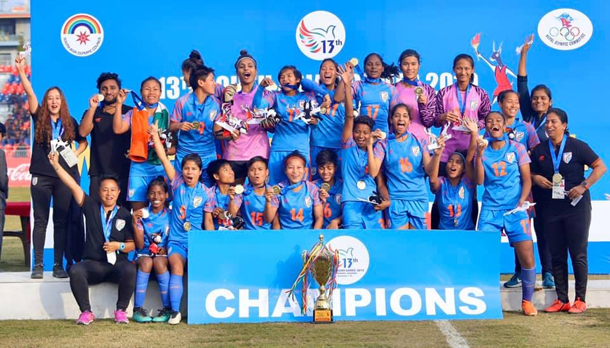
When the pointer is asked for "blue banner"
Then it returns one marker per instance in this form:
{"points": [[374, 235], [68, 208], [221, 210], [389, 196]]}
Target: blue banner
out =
{"points": [[244, 276]]}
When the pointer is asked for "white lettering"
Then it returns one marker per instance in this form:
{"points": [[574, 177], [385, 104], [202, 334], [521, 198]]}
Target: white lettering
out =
{"points": [[336, 302], [380, 302], [469, 297], [210, 303], [280, 306], [415, 302], [433, 299], [351, 303], [245, 303]]}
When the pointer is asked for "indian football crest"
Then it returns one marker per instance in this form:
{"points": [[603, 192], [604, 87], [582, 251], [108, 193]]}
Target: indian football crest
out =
{"points": [[567, 157], [519, 136], [510, 157], [384, 96], [197, 201], [308, 202], [461, 192], [415, 151], [212, 114], [120, 224]]}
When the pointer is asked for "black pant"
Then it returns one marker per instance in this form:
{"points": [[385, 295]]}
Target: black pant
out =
{"points": [[544, 253], [90, 272], [42, 189], [1, 227], [94, 189], [435, 215], [569, 233]]}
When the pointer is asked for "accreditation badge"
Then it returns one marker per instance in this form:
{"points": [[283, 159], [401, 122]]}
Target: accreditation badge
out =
{"points": [[559, 185]]}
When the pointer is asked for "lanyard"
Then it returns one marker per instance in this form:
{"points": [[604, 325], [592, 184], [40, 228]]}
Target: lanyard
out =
{"points": [[369, 80], [140, 104], [413, 83], [557, 159], [58, 129], [107, 224], [292, 186], [542, 123], [186, 198], [459, 98], [452, 194]]}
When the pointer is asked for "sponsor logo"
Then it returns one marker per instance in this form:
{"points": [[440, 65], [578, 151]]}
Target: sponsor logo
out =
{"points": [[82, 35], [565, 29], [320, 35]]}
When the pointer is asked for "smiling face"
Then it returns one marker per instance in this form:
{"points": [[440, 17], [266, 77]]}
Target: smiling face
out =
{"points": [[410, 67], [494, 124], [157, 196], [328, 73], [541, 101], [327, 171], [287, 77], [208, 85], [225, 175], [510, 105], [463, 70], [246, 71], [295, 169], [455, 166], [258, 173], [151, 92], [373, 67], [554, 128], [191, 173], [362, 133], [401, 120], [54, 101], [109, 192], [110, 90]]}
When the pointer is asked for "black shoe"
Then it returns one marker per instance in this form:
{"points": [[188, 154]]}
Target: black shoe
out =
{"points": [[58, 271], [37, 272]]}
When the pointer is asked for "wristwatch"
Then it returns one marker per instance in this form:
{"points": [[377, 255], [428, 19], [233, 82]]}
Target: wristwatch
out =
{"points": [[584, 184], [122, 247]]}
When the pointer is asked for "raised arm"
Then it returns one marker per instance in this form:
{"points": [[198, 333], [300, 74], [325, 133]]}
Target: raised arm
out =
{"points": [[347, 74], [160, 151], [27, 85], [86, 124], [434, 164], [472, 148], [77, 191], [120, 126], [480, 170]]}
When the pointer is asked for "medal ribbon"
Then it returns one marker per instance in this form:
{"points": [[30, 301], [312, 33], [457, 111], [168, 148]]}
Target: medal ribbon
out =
{"points": [[413, 83], [452, 194], [140, 104], [186, 198], [292, 186], [107, 224], [542, 122], [459, 98], [370, 80], [58, 128], [557, 159]]}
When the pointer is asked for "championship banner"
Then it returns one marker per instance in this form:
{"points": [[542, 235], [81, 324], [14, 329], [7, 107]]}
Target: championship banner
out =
{"points": [[245, 276]]}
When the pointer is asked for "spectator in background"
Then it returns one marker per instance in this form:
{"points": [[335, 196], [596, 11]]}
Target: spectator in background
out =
{"points": [[3, 185]]}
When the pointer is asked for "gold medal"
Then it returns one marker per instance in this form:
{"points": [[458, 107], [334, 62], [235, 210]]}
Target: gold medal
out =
{"points": [[100, 98], [187, 226], [239, 189], [354, 61], [361, 185], [325, 186], [382, 135], [419, 90], [195, 125], [557, 178], [276, 189]]}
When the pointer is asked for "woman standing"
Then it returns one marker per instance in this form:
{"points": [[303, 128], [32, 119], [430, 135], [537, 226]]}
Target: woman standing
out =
{"points": [[419, 97], [534, 106], [564, 204], [52, 121]]}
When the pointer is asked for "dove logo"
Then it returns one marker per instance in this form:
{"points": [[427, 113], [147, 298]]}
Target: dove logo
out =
{"points": [[320, 35], [353, 259]]}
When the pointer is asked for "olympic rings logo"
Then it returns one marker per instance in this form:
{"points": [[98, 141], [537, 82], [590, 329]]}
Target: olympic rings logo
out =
{"points": [[567, 33]]}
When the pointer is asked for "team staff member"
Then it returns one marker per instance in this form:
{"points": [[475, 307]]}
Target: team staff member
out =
{"points": [[534, 107], [558, 168], [109, 151], [52, 120], [109, 238]]}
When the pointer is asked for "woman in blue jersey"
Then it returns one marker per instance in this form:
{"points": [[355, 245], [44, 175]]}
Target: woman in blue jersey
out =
{"points": [[359, 166], [405, 161], [456, 189], [294, 203], [324, 135], [151, 233], [502, 166], [331, 188], [192, 207], [221, 172], [534, 106], [292, 133], [145, 164], [372, 96], [253, 200], [194, 116]]}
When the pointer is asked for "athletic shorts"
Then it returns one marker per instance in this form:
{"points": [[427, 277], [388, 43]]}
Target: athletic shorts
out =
{"points": [[178, 248], [516, 225], [402, 212], [361, 215], [276, 166]]}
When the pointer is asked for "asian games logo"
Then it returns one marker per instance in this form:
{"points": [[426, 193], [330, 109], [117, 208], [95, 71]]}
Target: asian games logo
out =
{"points": [[82, 35], [353, 259], [565, 29], [320, 35]]}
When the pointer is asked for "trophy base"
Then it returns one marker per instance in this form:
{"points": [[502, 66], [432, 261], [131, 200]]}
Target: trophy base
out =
{"points": [[323, 316]]}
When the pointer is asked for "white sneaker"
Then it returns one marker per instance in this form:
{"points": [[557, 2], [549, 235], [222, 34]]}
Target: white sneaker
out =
{"points": [[175, 318]]}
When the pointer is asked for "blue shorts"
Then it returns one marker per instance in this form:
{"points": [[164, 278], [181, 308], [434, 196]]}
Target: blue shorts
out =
{"points": [[516, 226], [315, 150], [137, 187], [402, 212], [205, 162], [276, 166], [178, 248], [359, 215]]}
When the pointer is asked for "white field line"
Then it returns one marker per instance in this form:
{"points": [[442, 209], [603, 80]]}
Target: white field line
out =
{"points": [[453, 337]]}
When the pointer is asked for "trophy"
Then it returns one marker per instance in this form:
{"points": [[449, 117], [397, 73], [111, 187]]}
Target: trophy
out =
{"points": [[322, 263]]}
